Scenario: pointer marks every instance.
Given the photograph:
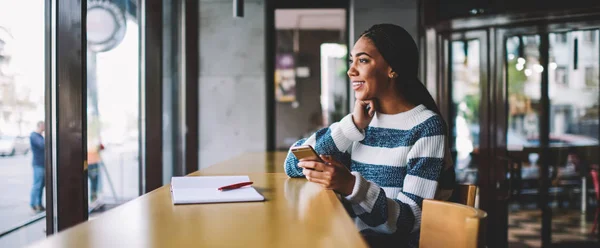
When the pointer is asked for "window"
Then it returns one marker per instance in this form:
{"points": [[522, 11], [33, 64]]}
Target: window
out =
{"points": [[22, 108], [561, 37], [589, 36], [561, 75], [591, 76]]}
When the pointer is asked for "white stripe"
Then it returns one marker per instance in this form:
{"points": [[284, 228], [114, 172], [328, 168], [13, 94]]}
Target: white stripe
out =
{"points": [[371, 197], [428, 147], [389, 226], [380, 155], [399, 122], [337, 134], [422, 187], [391, 192], [312, 140], [415, 209]]}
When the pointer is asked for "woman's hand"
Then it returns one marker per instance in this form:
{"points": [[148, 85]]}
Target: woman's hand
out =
{"points": [[360, 116], [331, 174]]}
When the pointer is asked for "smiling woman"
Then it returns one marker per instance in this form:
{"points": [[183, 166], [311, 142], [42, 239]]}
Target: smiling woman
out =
{"points": [[384, 161]]}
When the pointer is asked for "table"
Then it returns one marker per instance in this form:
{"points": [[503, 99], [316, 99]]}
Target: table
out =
{"points": [[296, 213]]}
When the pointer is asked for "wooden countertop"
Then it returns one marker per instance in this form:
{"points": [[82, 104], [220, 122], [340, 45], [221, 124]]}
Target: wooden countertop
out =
{"points": [[296, 213]]}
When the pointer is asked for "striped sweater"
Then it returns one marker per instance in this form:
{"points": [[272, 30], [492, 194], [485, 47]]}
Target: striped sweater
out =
{"points": [[397, 161]]}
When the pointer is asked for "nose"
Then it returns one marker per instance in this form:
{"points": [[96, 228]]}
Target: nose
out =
{"points": [[352, 71]]}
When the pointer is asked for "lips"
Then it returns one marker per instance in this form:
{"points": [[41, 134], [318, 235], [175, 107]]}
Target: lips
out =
{"points": [[357, 84]]}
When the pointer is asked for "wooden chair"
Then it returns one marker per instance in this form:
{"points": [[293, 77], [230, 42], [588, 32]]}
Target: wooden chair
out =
{"points": [[447, 224], [464, 194]]}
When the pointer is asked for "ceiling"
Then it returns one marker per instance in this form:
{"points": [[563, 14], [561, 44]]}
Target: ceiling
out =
{"points": [[320, 19]]}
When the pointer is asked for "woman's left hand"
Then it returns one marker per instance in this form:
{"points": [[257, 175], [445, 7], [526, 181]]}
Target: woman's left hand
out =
{"points": [[331, 174]]}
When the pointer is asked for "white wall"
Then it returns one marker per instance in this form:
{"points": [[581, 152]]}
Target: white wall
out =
{"points": [[232, 81]]}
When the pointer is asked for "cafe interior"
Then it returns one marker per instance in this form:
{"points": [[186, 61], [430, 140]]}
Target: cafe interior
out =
{"points": [[135, 93]]}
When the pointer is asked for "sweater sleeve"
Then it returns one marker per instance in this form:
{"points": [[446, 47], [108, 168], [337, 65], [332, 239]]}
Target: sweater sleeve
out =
{"points": [[402, 214], [335, 140]]}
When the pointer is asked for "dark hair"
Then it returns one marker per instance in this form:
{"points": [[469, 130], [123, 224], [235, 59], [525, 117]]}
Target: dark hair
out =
{"points": [[400, 51]]}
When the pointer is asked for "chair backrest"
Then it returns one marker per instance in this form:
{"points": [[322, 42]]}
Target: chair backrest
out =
{"points": [[447, 224], [465, 194]]}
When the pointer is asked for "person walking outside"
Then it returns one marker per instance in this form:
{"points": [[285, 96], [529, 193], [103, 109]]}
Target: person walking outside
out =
{"points": [[37, 148]]}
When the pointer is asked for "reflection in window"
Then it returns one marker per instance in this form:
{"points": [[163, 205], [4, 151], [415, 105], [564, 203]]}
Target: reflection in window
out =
{"points": [[573, 119], [466, 97], [591, 76], [574, 99], [524, 91], [113, 103]]}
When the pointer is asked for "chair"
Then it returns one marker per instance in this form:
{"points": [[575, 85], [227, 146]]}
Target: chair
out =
{"points": [[465, 194], [596, 182], [447, 224]]}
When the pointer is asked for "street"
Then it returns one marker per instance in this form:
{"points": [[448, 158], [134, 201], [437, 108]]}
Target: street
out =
{"points": [[16, 178]]}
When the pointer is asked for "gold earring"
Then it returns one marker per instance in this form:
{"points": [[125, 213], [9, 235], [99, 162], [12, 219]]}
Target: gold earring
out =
{"points": [[393, 75]]}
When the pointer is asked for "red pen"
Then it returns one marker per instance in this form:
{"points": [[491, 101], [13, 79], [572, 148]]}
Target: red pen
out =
{"points": [[235, 186]]}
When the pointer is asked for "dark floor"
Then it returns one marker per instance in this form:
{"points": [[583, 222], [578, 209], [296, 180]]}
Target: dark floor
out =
{"points": [[569, 228]]}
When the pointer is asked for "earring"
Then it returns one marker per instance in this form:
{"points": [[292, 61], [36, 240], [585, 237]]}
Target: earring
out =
{"points": [[393, 75]]}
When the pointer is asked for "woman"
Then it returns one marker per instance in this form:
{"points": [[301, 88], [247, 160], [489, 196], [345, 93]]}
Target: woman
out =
{"points": [[385, 159]]}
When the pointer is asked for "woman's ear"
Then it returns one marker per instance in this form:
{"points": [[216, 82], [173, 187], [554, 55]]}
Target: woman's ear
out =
{"points": [[391, 74]]}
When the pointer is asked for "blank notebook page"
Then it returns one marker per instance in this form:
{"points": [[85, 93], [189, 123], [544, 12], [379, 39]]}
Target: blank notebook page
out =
{"points": [[204, 189]]}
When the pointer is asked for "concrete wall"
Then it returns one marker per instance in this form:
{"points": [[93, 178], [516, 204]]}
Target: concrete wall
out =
{"points": [[232, 81]]}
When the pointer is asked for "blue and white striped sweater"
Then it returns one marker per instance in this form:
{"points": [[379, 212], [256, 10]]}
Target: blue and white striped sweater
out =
{"points": [[397, 162]]}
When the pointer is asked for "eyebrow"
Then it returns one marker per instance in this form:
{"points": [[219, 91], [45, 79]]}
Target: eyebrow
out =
{"points": [[361, 53]]}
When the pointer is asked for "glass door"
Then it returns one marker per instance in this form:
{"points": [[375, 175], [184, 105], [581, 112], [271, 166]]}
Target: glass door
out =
{"points": [[465, 105], [551, 135], [467, 91]]}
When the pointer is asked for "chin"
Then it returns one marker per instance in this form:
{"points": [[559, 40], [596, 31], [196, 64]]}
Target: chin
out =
{"points": [[361, 96]]}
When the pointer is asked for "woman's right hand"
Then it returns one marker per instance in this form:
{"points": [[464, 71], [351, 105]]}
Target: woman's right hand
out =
{"points": [[360, 116]]}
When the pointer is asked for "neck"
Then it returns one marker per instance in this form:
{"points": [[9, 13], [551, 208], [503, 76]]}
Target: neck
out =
{"points": [[393, 103]]}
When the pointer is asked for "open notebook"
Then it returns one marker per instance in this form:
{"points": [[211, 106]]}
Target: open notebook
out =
{"points": [[203, 189]]}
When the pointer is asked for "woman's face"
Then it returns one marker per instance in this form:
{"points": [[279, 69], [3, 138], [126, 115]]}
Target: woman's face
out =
{"points": [[369, 72]]}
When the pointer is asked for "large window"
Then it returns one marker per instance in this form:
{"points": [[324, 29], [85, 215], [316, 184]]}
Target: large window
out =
{"points": [[113, 103], [22, 193], [59, 94], [573, 107]]}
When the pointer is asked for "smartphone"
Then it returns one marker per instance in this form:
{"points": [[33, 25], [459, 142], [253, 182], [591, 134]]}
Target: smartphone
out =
{"points": [[306, 152]]}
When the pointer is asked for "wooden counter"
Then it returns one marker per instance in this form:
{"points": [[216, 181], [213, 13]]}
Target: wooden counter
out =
{"points": [[296, 213]]}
